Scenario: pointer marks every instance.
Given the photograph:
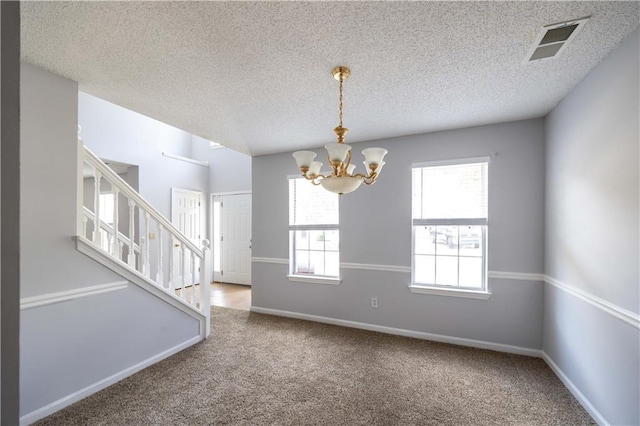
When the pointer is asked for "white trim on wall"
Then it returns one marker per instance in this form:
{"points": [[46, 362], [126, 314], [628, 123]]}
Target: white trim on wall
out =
{"points": [[65, 296], [586, 404], [216, 194], [370, 267], [270, 260], [43, 412], [187, 159], [622, 314], [517, 276], [402, 332]]}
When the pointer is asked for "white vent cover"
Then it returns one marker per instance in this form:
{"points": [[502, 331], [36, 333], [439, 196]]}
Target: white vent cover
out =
{"points": [[552, 39]]}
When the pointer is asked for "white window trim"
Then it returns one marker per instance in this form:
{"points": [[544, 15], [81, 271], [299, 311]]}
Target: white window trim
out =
{"points": [[442, 290], [456, 162], [311, 279], [450, 292]]}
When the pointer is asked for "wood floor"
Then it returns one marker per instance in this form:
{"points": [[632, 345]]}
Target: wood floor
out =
{"points": [[233, 296]]}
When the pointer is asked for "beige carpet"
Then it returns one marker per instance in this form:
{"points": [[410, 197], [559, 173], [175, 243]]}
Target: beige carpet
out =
{"points": [[259, 369]]}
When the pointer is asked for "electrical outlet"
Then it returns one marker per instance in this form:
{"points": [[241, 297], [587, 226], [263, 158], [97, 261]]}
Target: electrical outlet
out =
{"points": [[374, 302]]}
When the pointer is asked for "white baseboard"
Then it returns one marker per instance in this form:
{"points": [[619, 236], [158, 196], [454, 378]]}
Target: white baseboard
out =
{"points": [[593, 412], [43, 412], [500, 347]]}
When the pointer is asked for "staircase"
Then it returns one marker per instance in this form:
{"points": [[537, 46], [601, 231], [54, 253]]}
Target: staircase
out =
{"points": [[142, 246]]}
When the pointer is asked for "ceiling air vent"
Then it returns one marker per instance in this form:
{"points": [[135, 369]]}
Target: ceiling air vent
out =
{"points": [[552, 39]]}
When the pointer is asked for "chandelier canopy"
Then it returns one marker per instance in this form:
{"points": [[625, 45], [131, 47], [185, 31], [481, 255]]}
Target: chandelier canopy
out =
{"points": [[341, 179]]}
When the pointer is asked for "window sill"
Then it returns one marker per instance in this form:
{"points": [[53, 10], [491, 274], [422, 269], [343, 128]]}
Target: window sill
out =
{"points": [[450, 292], [310, 279]]}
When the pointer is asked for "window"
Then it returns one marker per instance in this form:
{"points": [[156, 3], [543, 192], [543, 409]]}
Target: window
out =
{"points": [[449, 215], [313, 229]]}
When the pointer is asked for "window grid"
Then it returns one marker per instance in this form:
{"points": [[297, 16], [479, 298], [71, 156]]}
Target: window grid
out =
{"points": [[313, 228], [455, 224]]}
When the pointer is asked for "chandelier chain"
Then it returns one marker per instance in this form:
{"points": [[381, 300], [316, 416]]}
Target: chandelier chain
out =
{"points": [[340, 115]]}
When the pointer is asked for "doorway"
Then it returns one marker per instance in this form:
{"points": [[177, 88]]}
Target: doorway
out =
{"points": [[231, 225]]}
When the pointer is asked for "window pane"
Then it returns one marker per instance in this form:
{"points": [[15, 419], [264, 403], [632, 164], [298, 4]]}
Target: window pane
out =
{"points": [[302, 240], [311, 205], [457, 191], [471, 272], [447, 270], [302, 263], [424, 238], [425, 267], [446, 238], [316, 262], [316, 240], [331, 240], [470, 241], [332, 264]]}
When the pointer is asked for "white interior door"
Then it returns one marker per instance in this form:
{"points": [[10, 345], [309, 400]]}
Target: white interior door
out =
{"points": [[186, 215], [235, 239]]}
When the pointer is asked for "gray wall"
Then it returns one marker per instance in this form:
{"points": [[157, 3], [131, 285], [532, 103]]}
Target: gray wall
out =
{"points": [[68, 346], [375, 228], [119, 134], [592, 234], [116, 133], [229, 171]]}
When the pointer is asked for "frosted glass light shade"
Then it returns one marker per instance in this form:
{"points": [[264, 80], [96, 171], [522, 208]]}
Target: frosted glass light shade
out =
{"points": [[304, 158], [374, 155], [341, 184], [351, 168], [314, 168], [337, 151]]}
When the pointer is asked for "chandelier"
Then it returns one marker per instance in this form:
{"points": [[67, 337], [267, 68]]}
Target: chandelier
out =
{"points": [[341, 179]]}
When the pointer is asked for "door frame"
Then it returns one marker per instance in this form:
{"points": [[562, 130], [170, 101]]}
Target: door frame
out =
{"points": [[212, 197]]}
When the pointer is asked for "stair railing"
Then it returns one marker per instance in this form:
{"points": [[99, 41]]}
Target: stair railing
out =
{"points": [[156, 249]]}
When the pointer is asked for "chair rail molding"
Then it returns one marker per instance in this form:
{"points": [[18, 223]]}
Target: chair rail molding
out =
{"points": [[67, 295], [616, 311]]}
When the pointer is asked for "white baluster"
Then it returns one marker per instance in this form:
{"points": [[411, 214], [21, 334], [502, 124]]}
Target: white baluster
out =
{"points": [[172, 262], [146, 267], [160, 274], [193, 279], [85, 220], [120, 247], [132, 253], [114, 247], [97, 177], [109, 241], [183, 274]]}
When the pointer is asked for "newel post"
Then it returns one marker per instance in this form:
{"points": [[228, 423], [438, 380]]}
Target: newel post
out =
{"points": [[205, 284]]}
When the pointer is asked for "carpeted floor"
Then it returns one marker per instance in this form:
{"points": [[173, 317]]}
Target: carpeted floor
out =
{"points": [[259, 369]]}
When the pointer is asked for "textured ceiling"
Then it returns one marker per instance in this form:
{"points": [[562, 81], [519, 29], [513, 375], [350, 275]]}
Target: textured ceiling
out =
{"points": [[256, 76]]}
